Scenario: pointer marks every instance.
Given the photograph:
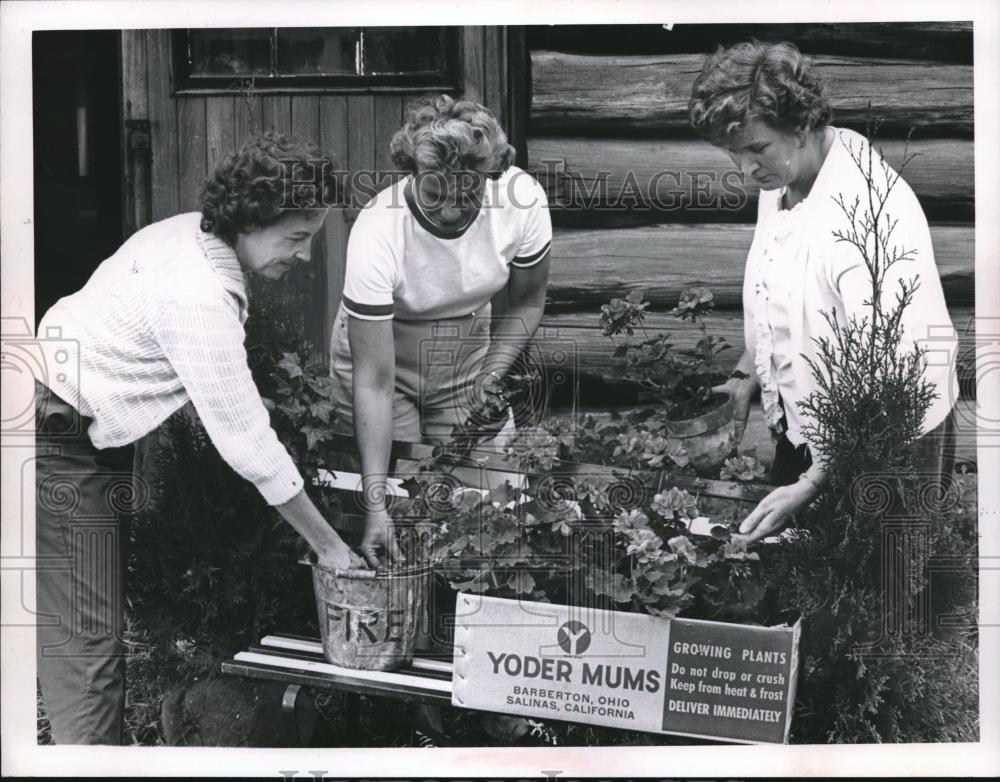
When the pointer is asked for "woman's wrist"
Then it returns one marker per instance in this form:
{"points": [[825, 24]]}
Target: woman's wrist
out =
{"points": [[813, 481], [743, 385]]}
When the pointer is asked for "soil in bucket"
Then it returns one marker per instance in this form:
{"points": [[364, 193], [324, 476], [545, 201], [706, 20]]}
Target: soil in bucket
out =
{"points": [[369, 619]]}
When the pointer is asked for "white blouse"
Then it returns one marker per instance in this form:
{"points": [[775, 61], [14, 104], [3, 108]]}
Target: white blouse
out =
{"points": [[797, 270]]}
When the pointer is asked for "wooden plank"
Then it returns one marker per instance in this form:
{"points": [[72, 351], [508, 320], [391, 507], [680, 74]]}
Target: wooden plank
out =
{"points": [[473, 63], [315, 646], [333, 129], [611, 95], [691, 180], [135, 105], [304, 127], [361, 143], [590, 266], [165, 183], [220, 124], [430, 674], [492, 468], [248, 117], [388, 120], [276, 113], [192, 152], [305, 123], [518, 92], [334, 135], [944, 41], [580, 333], [134, 74], [385, 678], [295, 674], [495, 71]]}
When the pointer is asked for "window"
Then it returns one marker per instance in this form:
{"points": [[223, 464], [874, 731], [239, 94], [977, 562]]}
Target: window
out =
{"points": [[316, 57]]}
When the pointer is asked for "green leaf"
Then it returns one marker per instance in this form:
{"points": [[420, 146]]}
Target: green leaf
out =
{"points": [[521, 582], [614, 585], [413, 487], [292, 408], [290, 365], [507, 533], [322, 410], [315, 435]]}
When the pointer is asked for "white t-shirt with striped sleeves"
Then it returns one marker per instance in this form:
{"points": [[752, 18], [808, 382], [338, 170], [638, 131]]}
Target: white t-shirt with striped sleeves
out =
{"points": [[399, 264]]}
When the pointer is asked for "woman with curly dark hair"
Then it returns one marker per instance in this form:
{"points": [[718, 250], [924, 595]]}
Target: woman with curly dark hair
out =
{"points": [[158, 324], [765, 105]]}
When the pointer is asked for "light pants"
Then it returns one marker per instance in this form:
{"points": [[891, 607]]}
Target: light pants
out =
{"points": [[437, 363]]}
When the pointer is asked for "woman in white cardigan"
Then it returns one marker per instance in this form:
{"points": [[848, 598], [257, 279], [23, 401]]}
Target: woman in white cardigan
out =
{"points": [[158, 324], [764, 104]]}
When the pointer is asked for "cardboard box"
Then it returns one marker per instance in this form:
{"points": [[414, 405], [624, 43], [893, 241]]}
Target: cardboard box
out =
{"points": [[714, 680]]}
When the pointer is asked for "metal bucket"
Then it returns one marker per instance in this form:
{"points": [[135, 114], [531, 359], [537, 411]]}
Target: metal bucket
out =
{"points": [[369, 619], [708, 439]]}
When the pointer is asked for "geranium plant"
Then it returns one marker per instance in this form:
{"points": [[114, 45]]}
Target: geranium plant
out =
{"points": [[584, 538], [680, 379]]}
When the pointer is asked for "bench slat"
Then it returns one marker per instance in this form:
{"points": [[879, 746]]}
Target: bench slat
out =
{"points": [[299, 643], [286, 675], [384, 678], [288, 654]]}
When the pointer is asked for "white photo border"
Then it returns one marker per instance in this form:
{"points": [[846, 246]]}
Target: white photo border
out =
{"points": [[20, 753]]}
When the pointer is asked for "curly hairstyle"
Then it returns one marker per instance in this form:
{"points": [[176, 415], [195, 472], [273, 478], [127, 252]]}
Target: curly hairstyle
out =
{"points": [[445, 135], [265, 178], [774, 83]]}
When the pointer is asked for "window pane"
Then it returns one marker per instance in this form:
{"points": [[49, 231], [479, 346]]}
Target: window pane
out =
{"points": [[403, 49], [230, 52], [317, 51]]}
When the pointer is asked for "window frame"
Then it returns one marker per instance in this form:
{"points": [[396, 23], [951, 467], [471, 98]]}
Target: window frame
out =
{"points": [[444, 80]]}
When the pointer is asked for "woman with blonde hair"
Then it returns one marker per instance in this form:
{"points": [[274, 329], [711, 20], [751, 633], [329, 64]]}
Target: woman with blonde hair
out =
{"points": [[765, 105], [413, 350]]}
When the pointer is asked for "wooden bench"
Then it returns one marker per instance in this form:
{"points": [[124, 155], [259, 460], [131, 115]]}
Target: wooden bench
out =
{"points": [[297, 661]]}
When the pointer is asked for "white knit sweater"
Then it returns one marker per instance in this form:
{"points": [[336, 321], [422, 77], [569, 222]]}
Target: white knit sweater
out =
{"points": [[159, 323]]}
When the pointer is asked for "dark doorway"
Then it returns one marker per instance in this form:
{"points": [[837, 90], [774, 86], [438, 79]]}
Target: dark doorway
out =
{"points": [[78, 170]]}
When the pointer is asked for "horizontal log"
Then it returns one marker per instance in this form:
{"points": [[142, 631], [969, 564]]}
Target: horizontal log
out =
{"points": [[578, 95], [944, 41], [597, 180], [588, 267], [573, 341]]}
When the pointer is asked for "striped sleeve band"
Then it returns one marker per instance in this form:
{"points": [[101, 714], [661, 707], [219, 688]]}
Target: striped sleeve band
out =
{"points": [[526, 261], [368, 311]]}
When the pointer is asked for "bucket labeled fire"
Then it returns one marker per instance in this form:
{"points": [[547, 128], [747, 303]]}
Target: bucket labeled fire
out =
{"points": [[369, 619]]}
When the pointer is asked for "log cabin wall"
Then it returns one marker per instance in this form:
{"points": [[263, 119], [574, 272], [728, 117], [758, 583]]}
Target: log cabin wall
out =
{"points": [[188, 133], [611, 101]]}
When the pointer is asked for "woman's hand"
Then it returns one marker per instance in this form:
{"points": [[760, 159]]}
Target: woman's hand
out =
{"points": [[775, 509], [379, 533], [337, 556], [742, 393]]}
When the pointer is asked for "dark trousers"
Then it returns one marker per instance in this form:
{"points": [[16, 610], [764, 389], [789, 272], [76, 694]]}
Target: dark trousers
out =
{"points": [[82, 503], [935, 458]]}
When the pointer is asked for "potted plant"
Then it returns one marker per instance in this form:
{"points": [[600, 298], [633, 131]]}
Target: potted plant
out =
{"points": [[693, 415]]}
